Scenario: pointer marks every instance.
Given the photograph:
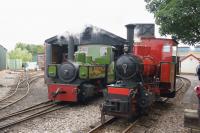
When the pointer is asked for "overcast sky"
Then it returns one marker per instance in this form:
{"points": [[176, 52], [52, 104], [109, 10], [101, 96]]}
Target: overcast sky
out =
{"points": [[33, 21]]}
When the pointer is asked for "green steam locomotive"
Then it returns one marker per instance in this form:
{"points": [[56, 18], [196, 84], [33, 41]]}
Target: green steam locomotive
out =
{"points": [[80, 68]]}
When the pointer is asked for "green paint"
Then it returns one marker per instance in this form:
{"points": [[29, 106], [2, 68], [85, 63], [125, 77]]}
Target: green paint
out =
{"points": [[83, 72], [96, 72], [101, 54], [52, 70], [111, 73], [97, 56], [89, 59], [80, 57]]}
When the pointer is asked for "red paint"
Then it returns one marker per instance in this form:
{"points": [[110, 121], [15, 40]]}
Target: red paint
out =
{"points": [[197, 90], [153, 48], [118, 91], [155, 90], [69, 95], [156, 58], [149, 66], [165, 72]]}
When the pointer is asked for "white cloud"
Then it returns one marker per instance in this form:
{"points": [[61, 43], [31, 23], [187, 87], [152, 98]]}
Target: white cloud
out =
{"points": [[33, 21]]}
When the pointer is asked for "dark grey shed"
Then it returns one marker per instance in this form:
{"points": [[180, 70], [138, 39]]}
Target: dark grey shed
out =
{"points": [[3, 55]]}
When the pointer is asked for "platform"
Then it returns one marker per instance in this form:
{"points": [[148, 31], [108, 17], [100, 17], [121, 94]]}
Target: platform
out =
{"points": [[190, 102], [190, 99]]}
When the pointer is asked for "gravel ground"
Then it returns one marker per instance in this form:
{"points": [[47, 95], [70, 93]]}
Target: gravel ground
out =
{"points": [[72, 119], [80, 118], [7, 79], [32, 98], [69, 120], [163, 118], [190, 99], [172, 118]]}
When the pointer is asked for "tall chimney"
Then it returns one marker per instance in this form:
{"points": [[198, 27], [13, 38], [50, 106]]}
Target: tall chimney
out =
{"points": [[130, 35], [71, 48]]}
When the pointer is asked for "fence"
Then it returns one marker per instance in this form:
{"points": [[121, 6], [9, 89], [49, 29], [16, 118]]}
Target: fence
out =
{"points": [[14, 64]]}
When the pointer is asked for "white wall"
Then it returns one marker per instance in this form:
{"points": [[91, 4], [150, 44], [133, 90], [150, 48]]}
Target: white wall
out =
{"points": [[189, 65]]}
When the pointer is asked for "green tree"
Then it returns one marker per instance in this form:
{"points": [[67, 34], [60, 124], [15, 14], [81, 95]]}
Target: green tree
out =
{"points": [[179, 18], [21, 45], [18, 53], [32, 48], [40, 48]]}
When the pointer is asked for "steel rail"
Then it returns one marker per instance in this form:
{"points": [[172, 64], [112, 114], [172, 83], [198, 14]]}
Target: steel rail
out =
{"points": [[128, 129], [100, 126], [15, 90], [27, 91], [33, 115], [181, 86], [31, 108]]}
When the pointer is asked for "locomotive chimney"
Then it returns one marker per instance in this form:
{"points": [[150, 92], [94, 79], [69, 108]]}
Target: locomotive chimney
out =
{"points": [[130, 35], [70, 48]]}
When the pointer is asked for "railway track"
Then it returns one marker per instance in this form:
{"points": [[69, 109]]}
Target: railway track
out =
{"points": [[19, 92], [13, 88], [29, 113], [179, 88], [143, 123], [101, 126]]}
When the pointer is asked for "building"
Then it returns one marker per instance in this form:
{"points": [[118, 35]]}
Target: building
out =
{"points": [[3, 56], [40, 61], [185, 51], [189, 58], [189, 64]]}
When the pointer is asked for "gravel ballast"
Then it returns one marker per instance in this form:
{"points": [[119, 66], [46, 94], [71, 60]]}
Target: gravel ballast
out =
{"points": [[80, 118], [72, 119]]}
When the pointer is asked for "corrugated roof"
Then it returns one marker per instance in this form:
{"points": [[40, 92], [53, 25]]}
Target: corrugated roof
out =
{"points": [[3, 47]]}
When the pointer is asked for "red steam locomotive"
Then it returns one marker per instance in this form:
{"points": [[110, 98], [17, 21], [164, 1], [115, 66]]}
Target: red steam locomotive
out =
{"points": [[146, 71]]}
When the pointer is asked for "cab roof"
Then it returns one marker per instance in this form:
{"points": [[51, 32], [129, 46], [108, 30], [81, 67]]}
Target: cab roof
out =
{"points": [[90, 35]]}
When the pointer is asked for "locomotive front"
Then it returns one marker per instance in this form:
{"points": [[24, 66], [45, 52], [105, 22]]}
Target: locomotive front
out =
{"points": [[128, 67], [128, 96], [83, 77], [65, 72]]}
